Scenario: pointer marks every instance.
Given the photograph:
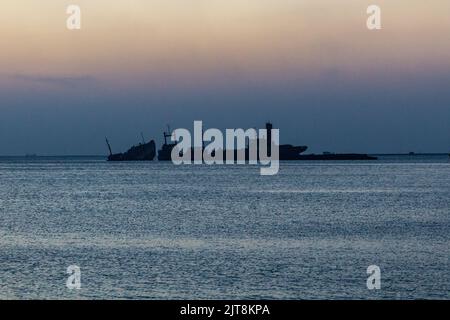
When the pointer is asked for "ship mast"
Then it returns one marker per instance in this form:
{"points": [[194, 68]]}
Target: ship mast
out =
{"points": [[109, 146], [167, 134]]}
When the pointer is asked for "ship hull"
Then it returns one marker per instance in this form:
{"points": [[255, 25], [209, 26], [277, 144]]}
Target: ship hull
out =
{"points": [[142, 152]]}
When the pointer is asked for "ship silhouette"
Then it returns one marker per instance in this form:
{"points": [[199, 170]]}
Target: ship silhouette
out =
{"points": [[145, 151], [286, 151], [165, 153]]}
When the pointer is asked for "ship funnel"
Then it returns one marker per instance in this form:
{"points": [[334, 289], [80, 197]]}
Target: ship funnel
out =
{"points": [[269, 138]]}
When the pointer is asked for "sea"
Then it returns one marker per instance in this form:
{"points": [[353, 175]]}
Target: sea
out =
{"points": [[153, 230]]}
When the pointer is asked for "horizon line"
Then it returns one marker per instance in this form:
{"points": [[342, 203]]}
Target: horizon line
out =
{"points": [[97, 155]]}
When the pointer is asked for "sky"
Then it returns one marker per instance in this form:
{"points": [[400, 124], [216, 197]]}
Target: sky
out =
{"points": [[309, 66]]}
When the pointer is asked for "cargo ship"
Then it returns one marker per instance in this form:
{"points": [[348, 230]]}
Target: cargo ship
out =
{"points": [[287, 152]]}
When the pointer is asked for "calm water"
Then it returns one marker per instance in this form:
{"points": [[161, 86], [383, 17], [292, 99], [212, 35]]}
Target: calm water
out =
{"points": [[157, 231]]}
